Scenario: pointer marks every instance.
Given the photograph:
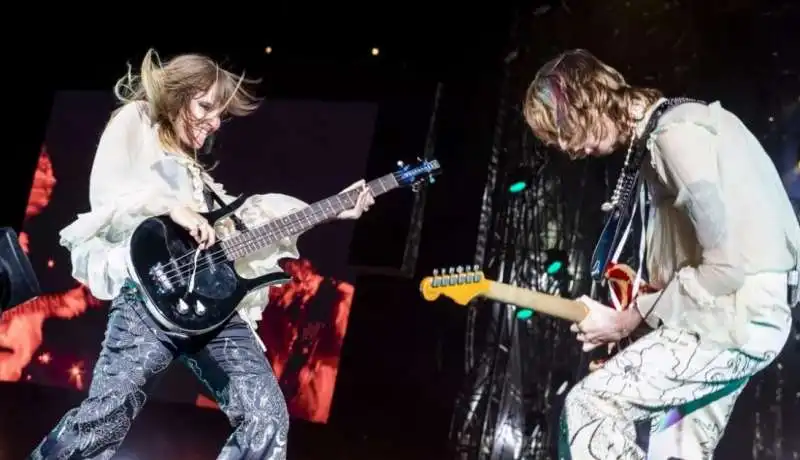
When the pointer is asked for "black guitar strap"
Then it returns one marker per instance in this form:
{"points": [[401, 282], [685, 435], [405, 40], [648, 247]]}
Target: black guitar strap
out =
{"points": [[210, 197], [618, 219]]}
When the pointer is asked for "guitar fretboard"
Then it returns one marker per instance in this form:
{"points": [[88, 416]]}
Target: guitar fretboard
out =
{"points": [[246, 243], [550, 305]]}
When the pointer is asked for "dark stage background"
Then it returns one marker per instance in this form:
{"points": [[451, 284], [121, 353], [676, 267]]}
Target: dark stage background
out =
{"points": [[403, 362]]}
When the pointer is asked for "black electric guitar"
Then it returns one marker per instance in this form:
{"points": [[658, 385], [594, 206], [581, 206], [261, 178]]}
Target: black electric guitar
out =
{"points": [[193, 292]]}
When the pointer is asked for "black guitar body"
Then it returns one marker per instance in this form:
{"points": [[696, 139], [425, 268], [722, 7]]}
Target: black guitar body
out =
{"points": [[162, 262], [193, 293]]}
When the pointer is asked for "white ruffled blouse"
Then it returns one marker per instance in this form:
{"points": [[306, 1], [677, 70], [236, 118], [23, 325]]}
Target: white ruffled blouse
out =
{"points": [[722, 233], [132, 179]]}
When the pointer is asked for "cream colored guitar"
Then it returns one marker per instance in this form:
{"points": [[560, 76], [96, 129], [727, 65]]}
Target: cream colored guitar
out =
{"points": [[462, 286]]}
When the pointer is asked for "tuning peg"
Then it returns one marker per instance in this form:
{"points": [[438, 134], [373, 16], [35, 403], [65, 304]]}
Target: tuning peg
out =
{"points": [[459, 269], [475, 268], [400, 164], [451, 270], [431, 180], [435, 272]]}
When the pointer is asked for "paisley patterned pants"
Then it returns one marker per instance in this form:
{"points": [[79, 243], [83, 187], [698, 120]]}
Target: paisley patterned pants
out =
{"points": [[685, 388], [135, 351]]}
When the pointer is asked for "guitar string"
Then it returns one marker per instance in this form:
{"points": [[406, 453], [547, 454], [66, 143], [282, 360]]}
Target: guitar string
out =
{"points": [[374, 185], [176, 273], [348, 200]]}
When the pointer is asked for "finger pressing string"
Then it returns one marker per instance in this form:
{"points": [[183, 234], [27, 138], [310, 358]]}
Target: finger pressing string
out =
{"points": [[185, 263]]}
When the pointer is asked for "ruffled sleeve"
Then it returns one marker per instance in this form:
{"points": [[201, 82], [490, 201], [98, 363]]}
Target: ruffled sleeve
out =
{"points": [[258, 210], [688, 151], [123, 191]]}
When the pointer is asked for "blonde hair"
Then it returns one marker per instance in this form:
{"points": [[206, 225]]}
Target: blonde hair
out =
{"points": [[168, 88], [573, 92]]}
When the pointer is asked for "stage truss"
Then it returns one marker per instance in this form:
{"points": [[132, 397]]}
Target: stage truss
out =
{"points": [[510, 408]]}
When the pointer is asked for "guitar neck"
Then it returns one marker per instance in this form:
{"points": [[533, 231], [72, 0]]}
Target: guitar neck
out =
{"points": [[246, 243], [558, 307]]}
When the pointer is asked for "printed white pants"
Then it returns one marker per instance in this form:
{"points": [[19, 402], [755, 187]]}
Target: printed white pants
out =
{"points": [[685, 386]]}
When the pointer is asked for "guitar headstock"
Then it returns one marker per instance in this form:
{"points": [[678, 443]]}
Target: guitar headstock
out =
{"points": [[457, 283], [415, 174]]}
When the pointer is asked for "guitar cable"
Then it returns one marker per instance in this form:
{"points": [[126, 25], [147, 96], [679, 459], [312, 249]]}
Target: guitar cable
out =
{"points": [[210, 197], [194, 269]]}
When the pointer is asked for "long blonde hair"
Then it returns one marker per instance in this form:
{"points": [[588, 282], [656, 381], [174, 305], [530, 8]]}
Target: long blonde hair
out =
{"points": [[571, 93], [168, 88]]}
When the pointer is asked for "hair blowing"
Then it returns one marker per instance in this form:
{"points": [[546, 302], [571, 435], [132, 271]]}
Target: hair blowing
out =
{"points": [[573, 91], [169, 87]]}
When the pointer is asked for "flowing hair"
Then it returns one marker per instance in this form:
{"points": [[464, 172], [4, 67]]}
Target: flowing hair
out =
{"points": [[168, 88], [570, 94]]}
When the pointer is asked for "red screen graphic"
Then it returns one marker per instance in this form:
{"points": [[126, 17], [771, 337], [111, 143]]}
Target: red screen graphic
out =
{"points": [[303, 326]]}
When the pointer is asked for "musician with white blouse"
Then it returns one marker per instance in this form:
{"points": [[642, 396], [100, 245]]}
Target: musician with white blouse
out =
{"points": [[722, 244], [146, 165]]}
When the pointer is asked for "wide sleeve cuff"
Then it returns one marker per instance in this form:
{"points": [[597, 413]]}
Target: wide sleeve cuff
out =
{"points": [[680, 296], [258, 210], [645, 303]]}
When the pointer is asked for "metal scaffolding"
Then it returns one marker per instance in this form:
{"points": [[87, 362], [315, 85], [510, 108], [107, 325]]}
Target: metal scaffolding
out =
{"points": [[509, 409]]}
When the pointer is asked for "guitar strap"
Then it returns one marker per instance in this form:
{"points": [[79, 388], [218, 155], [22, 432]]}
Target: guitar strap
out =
{"points": [[633, 198], [210, 197]]}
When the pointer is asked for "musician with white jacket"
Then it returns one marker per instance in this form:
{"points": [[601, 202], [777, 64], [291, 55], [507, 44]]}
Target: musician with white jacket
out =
{"points": [[146, 166], [722, 245]]}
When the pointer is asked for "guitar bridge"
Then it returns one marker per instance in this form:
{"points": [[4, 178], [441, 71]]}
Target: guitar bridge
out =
{"points": [[163, 281]]}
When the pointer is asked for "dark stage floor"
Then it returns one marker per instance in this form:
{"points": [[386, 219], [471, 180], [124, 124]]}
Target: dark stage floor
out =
{"points": [[166, 431], [177, 431]]}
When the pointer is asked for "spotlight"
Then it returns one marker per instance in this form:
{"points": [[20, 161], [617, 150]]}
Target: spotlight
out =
{"points": [[518, 180], [18, 282], [517, 186], [556, 261], [268, 50], [524, 313], [375, 51]]}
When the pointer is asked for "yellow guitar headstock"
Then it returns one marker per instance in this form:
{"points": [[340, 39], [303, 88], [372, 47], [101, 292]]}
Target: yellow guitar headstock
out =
{"points": [[457, 283]]}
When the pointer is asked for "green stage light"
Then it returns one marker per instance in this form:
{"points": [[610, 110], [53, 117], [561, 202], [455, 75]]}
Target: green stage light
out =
{"points": [[524, 313], [554, 267], [517, 187], [555, 262], [518, 179]]}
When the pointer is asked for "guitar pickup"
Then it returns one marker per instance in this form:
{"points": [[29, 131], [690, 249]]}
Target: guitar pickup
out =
{"points": [[161, 278], [207, 259], [178, 277]]}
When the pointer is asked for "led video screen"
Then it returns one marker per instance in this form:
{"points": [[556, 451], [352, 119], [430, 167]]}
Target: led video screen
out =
{"points": [[306, 149]]}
